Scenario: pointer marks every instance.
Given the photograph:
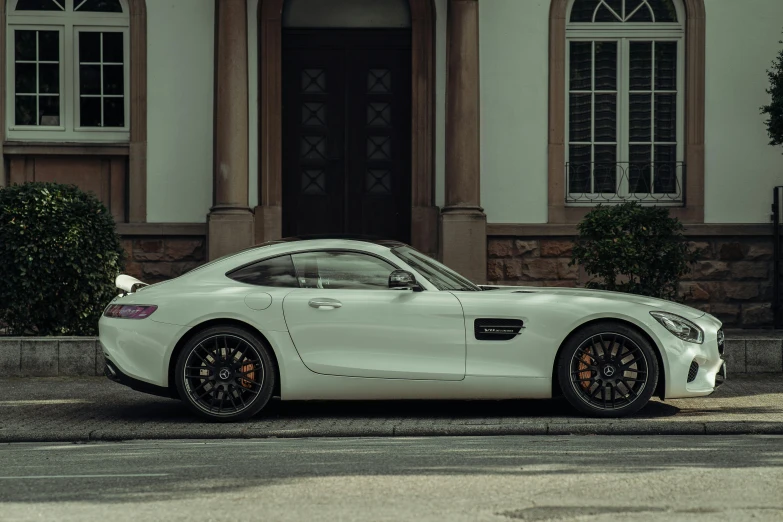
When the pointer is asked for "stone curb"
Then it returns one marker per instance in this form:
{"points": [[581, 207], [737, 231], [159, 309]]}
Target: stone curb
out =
{"points": [[533, 428], [50, 357], [746, 352]]}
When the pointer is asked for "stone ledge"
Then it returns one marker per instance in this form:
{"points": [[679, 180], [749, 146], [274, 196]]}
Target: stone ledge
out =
{"points": [[50, 357], [747, 351]]}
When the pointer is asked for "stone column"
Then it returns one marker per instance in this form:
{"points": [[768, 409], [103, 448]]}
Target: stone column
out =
{"points": [[463, 222], [230, 219]]}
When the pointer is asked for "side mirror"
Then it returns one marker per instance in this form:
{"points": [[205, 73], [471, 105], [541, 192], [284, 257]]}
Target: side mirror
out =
{"points": [[402, 280]]}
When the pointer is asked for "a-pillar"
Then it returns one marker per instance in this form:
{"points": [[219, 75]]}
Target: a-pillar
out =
{"points": [[463, 222], [230, 218]]}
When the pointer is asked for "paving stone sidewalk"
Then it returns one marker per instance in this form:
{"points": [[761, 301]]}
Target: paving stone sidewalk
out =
{"points": [[63, 409]]}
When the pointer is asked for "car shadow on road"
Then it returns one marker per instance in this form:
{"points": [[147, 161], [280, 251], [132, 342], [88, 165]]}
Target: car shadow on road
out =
{"points": [[165, 411]]}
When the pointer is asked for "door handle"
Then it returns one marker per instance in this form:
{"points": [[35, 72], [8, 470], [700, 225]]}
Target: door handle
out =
{"points": [[325, 302]]}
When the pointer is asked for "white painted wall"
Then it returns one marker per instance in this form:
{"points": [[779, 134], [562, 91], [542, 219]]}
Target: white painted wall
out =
{"points": [[741, 169], [514, 109], [180, 72]]}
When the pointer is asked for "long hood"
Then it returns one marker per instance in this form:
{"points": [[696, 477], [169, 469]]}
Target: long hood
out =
{"points": [[651, 302]]}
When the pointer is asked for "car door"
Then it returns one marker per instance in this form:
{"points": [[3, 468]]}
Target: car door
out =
{"points": [[344, 320]]}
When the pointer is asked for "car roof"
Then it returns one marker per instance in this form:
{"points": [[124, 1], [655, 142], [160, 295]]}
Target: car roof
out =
{"points": [[390, 243]]}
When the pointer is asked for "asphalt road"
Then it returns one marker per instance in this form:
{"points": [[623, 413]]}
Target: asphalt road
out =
{"points": [[690, 478]]}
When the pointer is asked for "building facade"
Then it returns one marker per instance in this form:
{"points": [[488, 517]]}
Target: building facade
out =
{"points": [[480, 131]]}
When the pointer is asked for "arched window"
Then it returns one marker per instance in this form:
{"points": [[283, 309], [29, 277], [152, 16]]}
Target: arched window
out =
{"points": [[625, 82], [68, 70]]}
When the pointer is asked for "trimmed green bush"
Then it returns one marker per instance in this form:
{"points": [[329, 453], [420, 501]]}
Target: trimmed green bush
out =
{"points": [[633, 248], [59, 255], [774, 110]]}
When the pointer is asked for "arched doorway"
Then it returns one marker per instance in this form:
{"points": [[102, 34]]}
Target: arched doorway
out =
{"points": [[346, 116]]}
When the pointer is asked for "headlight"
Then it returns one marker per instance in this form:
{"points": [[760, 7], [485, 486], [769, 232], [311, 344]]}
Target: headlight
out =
{"points": [[680, 326]]}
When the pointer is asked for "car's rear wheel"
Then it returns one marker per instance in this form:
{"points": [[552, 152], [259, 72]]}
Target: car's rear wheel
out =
{"points": [[608, 370], [225, 373]]}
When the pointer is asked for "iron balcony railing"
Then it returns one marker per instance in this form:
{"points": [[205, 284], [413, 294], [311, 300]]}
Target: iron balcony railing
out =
{"points": [[625, 181]]}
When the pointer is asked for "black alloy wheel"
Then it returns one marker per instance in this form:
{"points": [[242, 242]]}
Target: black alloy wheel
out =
{"points": [[225, 374], [608, 370]]}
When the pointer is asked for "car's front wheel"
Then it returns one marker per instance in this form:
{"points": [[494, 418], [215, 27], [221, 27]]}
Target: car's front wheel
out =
{"points": [[608, 370], [225, 373]]}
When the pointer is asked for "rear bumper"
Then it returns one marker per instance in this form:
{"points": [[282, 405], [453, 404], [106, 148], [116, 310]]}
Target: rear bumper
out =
{"points": [[114, 374]]}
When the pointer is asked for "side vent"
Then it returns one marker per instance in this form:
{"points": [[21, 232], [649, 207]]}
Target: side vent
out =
{"points": [[497, 329]]}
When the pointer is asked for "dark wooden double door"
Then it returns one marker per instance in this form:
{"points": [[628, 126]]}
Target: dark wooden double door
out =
{"points": [[347, 133]]}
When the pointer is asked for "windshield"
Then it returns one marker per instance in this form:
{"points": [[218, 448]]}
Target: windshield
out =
{"points": [[442, 277]]}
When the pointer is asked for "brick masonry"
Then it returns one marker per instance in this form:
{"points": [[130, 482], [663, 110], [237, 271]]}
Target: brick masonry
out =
{"points": [[154, 259], [733, 281]]}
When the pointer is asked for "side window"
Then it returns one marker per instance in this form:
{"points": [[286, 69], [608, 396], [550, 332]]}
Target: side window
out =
{"points": [[342, 270], [278, 271]]}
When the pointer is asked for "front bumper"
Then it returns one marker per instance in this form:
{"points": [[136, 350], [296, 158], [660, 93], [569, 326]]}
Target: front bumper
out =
{"points": [[695, 370]]}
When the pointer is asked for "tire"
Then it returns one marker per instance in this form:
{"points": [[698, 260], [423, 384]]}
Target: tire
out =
{"points": [[607, 370], [225, 374]]}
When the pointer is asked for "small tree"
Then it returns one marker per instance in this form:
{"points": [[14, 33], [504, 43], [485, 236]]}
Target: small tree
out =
{"points": [[634, 249], [774, 110], [59, 255]]}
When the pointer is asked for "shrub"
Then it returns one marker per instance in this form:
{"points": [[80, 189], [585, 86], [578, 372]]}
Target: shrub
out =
{"points": [[59, 255], [774, 110], [634, 249]]}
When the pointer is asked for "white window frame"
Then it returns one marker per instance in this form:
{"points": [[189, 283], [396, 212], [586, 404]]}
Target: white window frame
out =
{"points": [[69, 23], [624, 33]]}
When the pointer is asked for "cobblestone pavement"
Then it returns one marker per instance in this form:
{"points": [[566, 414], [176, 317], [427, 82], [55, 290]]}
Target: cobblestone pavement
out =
{"points": [[62, 409]]}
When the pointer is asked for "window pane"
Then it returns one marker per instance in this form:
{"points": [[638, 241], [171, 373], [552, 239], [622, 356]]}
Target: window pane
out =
{"points": [[582, 11], [665, 117], [113, 79], [605, 169], [666, 66], [605, 117], [49, 78], [24, 45], [642, 14], [49, 46], [581, 66], [90, 112], [605, 66], [113, 112], [639, 169], [641, 66], [579, 118], [665, 181], [605, 15], [25, 78], [278, 272], [579, 169], [25, 110], [341, 270], [40, 5], [112, 48], [89, 79], [89, 47], [640, 118], [99, 6], [664, 10], [49, 109]]}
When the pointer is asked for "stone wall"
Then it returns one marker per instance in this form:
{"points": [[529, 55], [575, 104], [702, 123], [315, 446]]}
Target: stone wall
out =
{"points": [[154, 259], [733, 281]]}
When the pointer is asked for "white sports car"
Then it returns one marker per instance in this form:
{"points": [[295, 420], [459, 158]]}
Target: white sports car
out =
{"points": [[332, 319]]}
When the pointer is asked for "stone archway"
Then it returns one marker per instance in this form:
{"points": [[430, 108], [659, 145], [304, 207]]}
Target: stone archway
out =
{"points": [[424, 213]]}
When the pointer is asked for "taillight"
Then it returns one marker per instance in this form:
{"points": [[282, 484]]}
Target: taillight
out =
{"points": [[129, 311]]}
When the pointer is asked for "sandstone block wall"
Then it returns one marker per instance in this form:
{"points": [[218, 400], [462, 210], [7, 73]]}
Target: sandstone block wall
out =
{"points": [[733, 281]]}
